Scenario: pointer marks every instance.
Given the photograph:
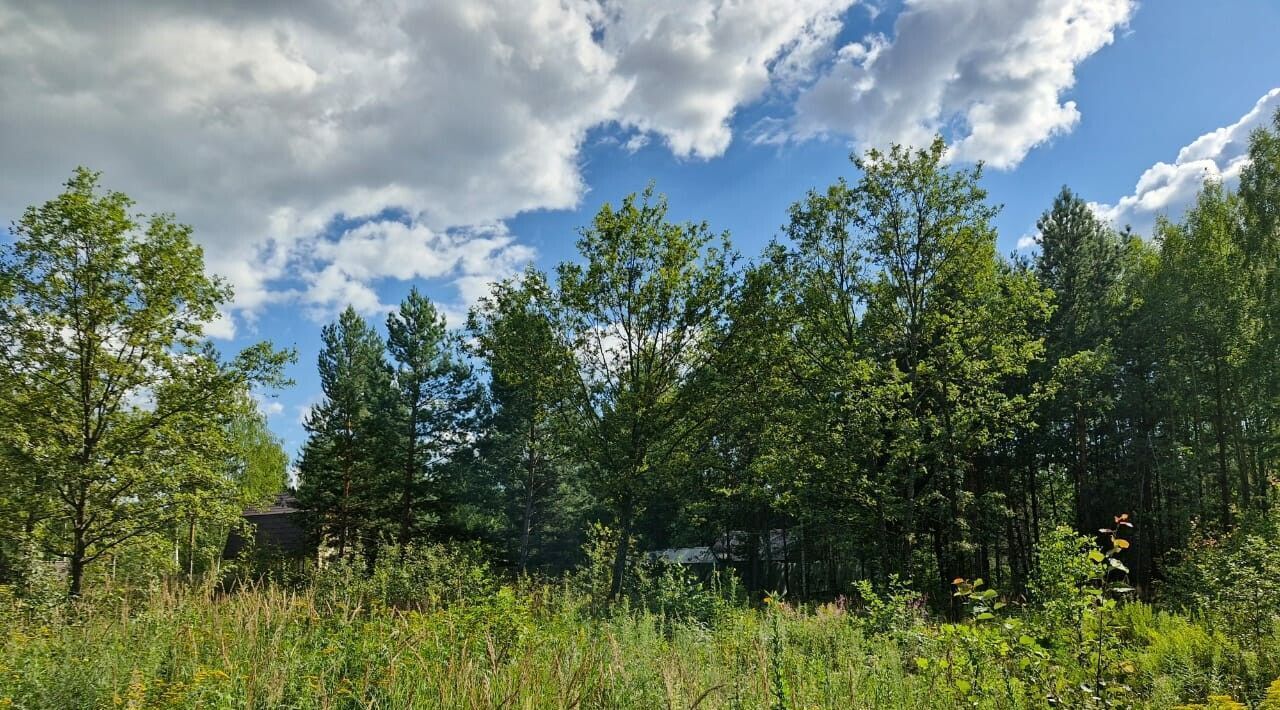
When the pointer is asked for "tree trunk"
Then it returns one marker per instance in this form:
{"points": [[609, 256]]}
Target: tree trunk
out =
{"points": [[78, 561], [1220, 436], [524, 534], [191, 550], [77, 573], [79, 548], [531, 472], [620, 558], [406, 502], [1081, 465]]}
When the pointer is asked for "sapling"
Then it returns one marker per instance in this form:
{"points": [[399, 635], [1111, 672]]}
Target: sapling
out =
{"points": [[1103, 592]]}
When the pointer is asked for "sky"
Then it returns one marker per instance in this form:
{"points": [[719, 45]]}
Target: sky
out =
{"points": [[340, 152]]}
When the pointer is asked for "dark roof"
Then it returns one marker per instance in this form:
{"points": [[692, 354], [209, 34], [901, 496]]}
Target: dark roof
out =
{"points": [[734, 547]]}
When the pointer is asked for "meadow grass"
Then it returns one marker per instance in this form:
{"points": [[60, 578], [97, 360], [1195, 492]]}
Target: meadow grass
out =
{"points": [[539, 646]]}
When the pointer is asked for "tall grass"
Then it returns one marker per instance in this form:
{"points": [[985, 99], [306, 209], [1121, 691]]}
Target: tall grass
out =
{"points": [[269, 647], [532, 646]]}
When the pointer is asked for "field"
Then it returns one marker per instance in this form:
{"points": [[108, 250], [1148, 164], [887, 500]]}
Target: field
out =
{"points": [[465, 640]]}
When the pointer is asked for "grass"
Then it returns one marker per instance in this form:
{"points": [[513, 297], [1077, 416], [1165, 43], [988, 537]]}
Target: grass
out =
{"points": [[539, 647], [274, 648]]}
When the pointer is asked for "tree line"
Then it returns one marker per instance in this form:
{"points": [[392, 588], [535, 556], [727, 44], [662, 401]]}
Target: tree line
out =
{"points": [[879, 389]]}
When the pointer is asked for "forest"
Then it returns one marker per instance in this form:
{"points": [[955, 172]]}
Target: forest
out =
{"points": [[877, 465]]}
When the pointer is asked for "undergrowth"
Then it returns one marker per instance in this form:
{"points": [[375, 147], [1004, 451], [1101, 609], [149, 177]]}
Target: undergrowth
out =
{"points": [[437, 628]]}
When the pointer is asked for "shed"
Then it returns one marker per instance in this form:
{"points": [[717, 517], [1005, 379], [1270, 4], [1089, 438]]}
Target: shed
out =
{"points": [[275, 529]]}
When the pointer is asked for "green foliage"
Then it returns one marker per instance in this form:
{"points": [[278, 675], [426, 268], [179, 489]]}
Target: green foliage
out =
{"points": [[426, 425], [1232, 582], [526, 438], [879, 398], [117, 409], [419, 577], [340, 476], [1062, 568], [1235, 580], [894, 612], [440, 630], [633, 316]]}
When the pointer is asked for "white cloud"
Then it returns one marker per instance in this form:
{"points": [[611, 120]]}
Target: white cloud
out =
{"points": [[222, 327], [1028, 241], [1168, 189], [269, 407], [990, 73], [691, 63], [339, 272], [303, 411], [258, 123]]}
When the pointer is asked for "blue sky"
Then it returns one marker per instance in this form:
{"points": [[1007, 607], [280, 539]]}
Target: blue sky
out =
{"points": [[348, 154]]}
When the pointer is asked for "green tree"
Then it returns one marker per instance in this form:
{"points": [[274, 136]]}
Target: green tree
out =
{"points": [[1080, 261], [258, 462], [341, 481], [115, 396], [1204, 291], [1260, 208], [513, 329], [635, 316], [435, 399], [251, 464], [951, 327], [837, 416]]}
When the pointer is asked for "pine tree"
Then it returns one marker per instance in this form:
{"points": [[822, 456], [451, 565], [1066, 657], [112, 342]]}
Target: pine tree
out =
{"points": [[428, 419], [342, 481], [1079, 261]]}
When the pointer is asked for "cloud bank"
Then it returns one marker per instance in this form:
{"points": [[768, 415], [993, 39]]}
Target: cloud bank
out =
{"points": [[286, 133], [989, 74], [1168, 189]]}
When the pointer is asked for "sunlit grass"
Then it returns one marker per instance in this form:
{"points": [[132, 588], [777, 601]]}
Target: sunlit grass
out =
{"points": [[536, 647]]}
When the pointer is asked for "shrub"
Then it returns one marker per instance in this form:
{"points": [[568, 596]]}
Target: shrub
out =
{"points": [[894, 611], [1061, 568], [417, 577]]}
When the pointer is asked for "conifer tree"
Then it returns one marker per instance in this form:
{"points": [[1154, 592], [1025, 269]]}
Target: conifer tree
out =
{"points": [[514, 331], [342, 482], [428, 420]]}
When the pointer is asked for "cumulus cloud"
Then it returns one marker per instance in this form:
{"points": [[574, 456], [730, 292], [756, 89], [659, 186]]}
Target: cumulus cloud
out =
{"points": [[990, 74], [1168, 189], [339, 271], [691, 63], [260, 122], [269, 407]]}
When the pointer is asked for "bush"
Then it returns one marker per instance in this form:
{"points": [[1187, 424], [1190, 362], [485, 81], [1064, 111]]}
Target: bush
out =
{"points": [[1061, 569], [417, 577], [895, 611], [676, 595], [1234, 581]]}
